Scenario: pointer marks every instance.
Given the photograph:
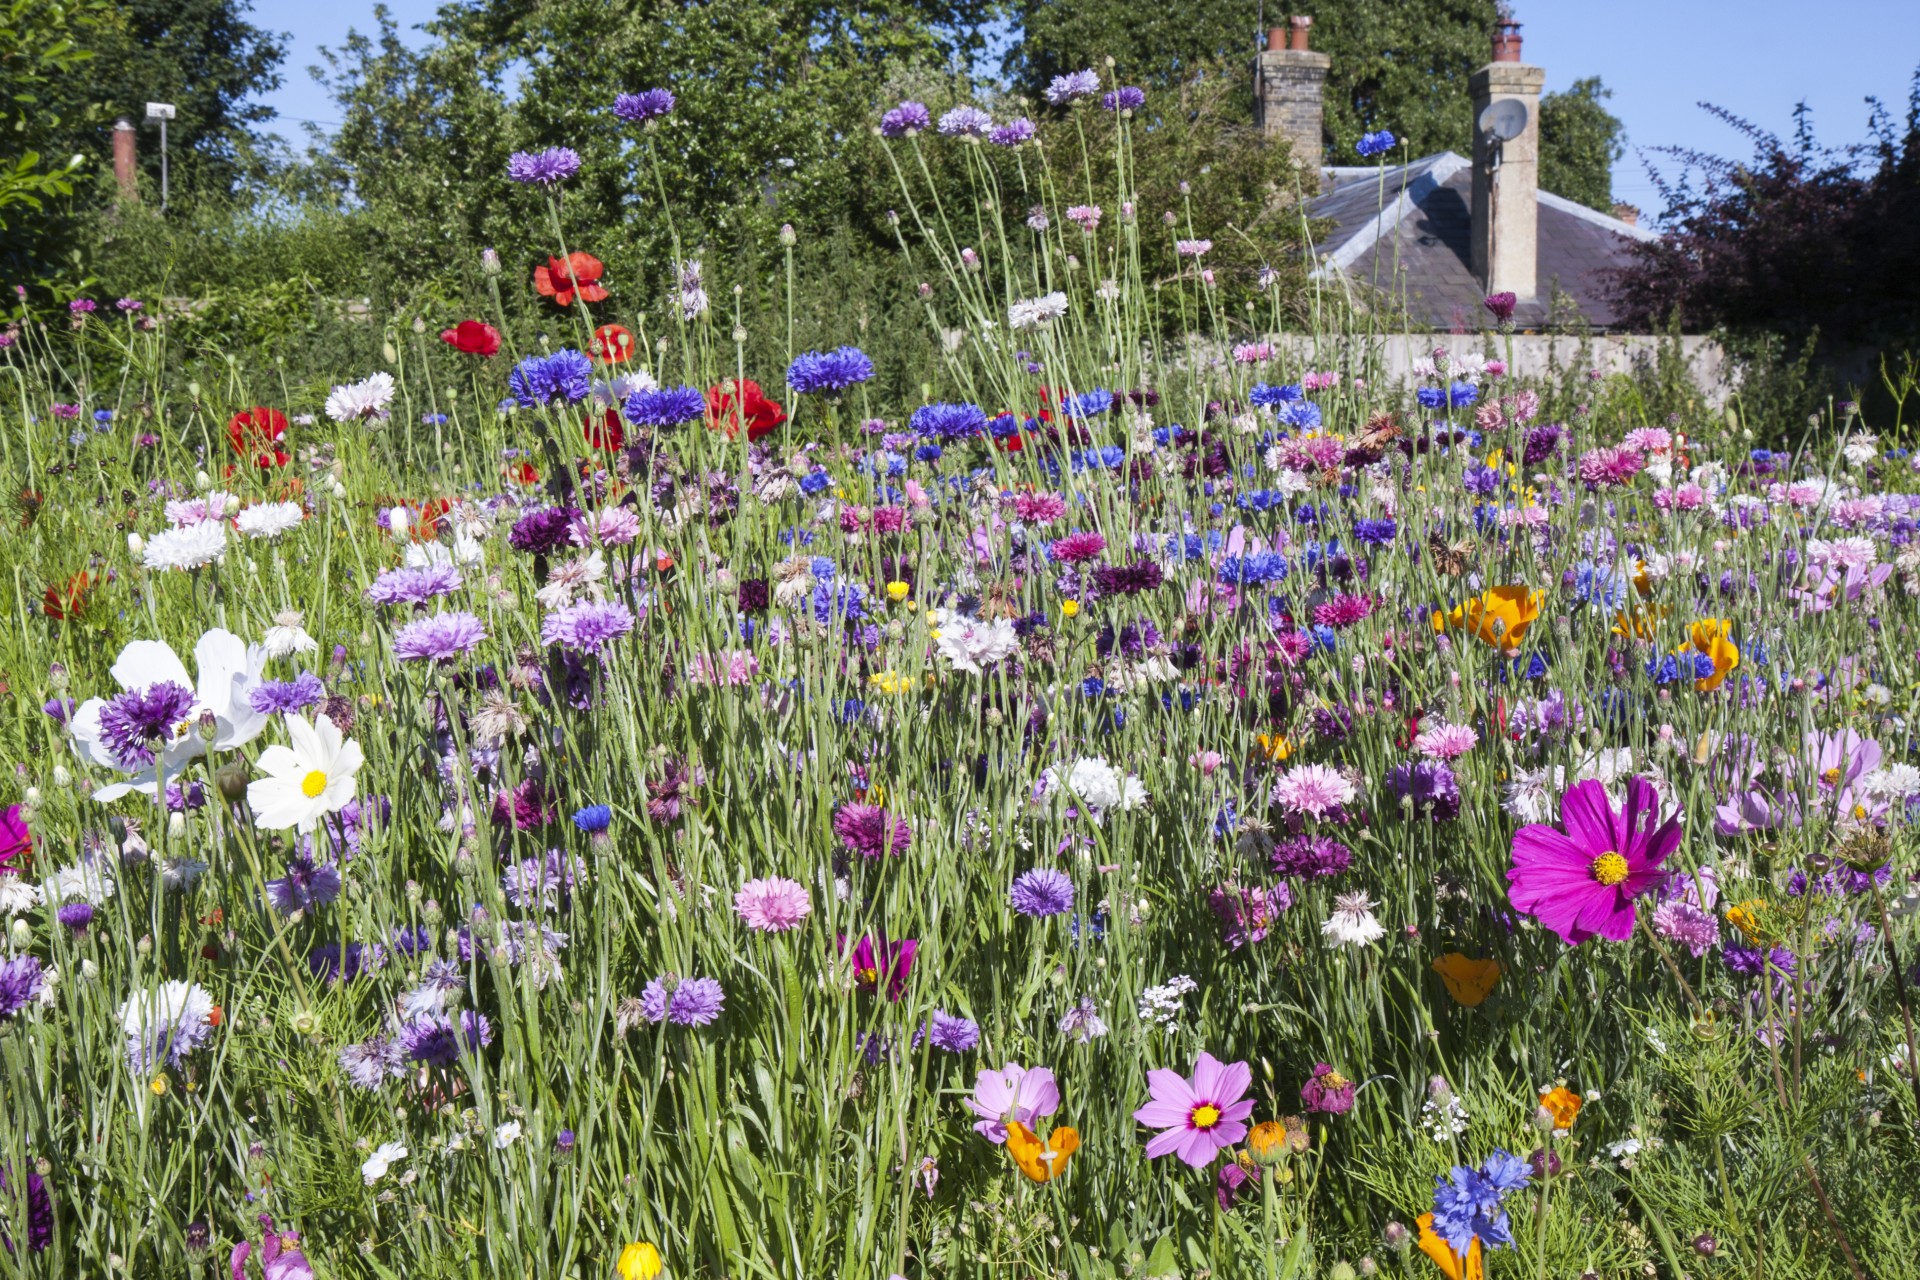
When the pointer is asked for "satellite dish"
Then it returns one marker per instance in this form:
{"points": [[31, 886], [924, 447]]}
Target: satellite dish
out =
{"points": [[1504, 120]]}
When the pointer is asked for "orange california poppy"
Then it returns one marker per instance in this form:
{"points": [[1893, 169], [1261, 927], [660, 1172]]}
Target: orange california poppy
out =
{"points": [[1041, 1162], [563, 278], [1562, 1104], [1451, 1264], [1469, 981], [1714, 638], [612, 344], [1498, 617]]}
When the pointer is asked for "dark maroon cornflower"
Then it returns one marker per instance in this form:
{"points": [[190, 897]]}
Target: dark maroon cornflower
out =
{"points": [[1332, 724], [433, 1040], [1500, 306], [545, 531], [754, 596], [667, 797], [132, 722], [1128, 579], [39, 1212], [1327, 1091], [1541, 443], [525, 806], [1308, 857], [1545, 1164], [871, 831]]}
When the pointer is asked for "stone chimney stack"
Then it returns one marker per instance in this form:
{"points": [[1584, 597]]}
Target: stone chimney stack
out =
{"points": [[125, 166], [1506, 173], [1288, 79]]}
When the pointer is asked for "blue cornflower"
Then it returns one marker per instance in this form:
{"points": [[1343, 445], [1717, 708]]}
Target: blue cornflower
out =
{"points": [[638, 108], [829, 372], [593, 819], [1260, 567], [1301, 415], [1664, 670], [1480, 480], [1373, 144], [103, 416], [1470, 1206], [949, 422], [952, 1034], [1431, 398], [925, 453], [813, 482], [665, 406], [1273, 397], [566, 375], [1375, 533], [1462, 394], [1089, 404], [822, 568], [1599, 585], [546, 168], [1042, 891]]}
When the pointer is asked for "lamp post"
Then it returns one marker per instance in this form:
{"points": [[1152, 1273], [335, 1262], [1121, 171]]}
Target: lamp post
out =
{"points": [[163, 112]]}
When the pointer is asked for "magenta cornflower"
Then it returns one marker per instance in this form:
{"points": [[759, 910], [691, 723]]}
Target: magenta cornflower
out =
{"points": [[1201, 1117], [1077, 547], [1581, 882], [871, 831], [1342, 611], [773, 905]]}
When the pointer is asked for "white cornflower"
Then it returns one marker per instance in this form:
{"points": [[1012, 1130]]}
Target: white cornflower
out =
{"points": [[506, 1135], [269, 519], [90, 882], [356, 401], [971, 645], [164, 1025], [1032, 312], [288, 636], [1082, 1022], [1096, 784], [193, 546], [1352, 923], [384, 1157], [1861, 448], [17, 894], [306, 780]]}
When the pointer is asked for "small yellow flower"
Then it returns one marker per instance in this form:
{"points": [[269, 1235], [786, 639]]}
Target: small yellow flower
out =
{"points": [[1745, 917], [897, 591], [638, 1261], [158, 1087], [889, 681], [1070, 608]]}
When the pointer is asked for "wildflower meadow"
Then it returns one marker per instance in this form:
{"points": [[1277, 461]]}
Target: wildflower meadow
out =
{"points": [[1161, 797]]}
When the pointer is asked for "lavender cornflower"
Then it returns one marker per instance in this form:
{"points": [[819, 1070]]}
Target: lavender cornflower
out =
{"points": [[639, 108], [587, 627], [132, 722], [414, 584], [373, 1061], [1013, 133], [440, 982], [1430, 787], [951, 1034], [543, 882], [440, 638], [308, 883], [905, 120], [566, 375], [1125, 98], [1041, 892], [434, 1040], [20, 981], [287, 697], [966, 122], [686, 1002], [546, 168], [1072, 87], [829, 372], [665, 406]]}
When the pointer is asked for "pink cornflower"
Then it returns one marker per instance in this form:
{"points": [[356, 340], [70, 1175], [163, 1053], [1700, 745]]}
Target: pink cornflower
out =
{"points": [[1038, 508], [1446, 741], [1198, 1118], [1315, 789], [871, 831], [1581, 882], [1013, 1093], [1649, 439], [1609, 465], [773, 905], [1207, 762], [1084, 216], [1252, 352], [1077, 547], [1192, 248], [1342, 611], [733, 668], [1325, 380]]}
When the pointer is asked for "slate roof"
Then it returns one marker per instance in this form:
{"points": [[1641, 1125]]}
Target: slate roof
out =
{"points": [[1426, 219]]}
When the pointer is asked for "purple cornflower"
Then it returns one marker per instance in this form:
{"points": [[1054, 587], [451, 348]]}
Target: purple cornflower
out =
{"points": [[1310, 857], [905, 120], [1040, 892], [951, 1034], [287, 697], [686, 1002], [639, 108], [830, 372], [39, 1211], [1128, 579], [76, 916], [1431, 787], [543, 168], [1248, 914], [544, 531], [414, 584], [587, 627], [1073, 87], [1500, 306], [434, 1040], [307, 884], [19, 984], [966, 121], [328, 963], [371, 1062], [440, 638], [565, 376], [665, 406], [1012, 133], [132, 722], [871, 831], [1125, 98], [1541, 443]]}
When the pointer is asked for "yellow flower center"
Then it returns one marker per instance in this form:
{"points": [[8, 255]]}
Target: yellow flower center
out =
{"points": [[1831, 777], [867, 977], [313, 784], [1205, 1116], [1334, 1080], [1610, 868]]}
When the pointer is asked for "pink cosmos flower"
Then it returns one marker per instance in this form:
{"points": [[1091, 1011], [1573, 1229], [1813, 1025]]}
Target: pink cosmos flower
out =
{"points": [[1314, 789], [1013, 1093], [1581, 882], [1197, 1118], [773, 905]]}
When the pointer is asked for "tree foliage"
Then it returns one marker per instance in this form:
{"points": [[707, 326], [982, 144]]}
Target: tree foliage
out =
{"points": [[1579, 141]]}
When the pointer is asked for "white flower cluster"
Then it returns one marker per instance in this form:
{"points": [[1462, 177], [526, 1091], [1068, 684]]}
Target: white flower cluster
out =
{"points": [[1160, 1006]]}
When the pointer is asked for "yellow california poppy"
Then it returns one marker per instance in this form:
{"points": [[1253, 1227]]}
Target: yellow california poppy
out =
{"points": [[638, 1261], [1274, 746], [1713, 637], [1041, 1161], [1498, 616], [1451, 1264], [1469, 981]]}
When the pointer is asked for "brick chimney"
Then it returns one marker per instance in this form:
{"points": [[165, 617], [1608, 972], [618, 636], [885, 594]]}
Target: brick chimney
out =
{"points": [[125, 166], [1288, 78], [1506, 173], [1627, 213]]}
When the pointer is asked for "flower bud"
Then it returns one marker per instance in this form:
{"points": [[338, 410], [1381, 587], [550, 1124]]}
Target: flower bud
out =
{"points": [[232, 779], [787, 234], [1396, 1237]]}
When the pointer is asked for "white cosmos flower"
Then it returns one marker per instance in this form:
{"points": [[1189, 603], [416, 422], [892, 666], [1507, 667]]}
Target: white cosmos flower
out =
{"points": [[192, 546], [384, 1157], [311, 777], [229, 671], [269, 519], [368, 398], [288, 636]]}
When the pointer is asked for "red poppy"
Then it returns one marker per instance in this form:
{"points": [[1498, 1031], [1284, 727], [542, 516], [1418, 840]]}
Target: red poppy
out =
{"points": [[561, 279], [473, 338], [612, 344], [727, 409], [607, 433], [520, 471], [257, 433], [424, 519], [64, 602]]}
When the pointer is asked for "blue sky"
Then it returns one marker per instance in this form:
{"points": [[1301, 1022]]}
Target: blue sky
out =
{"points": [[1757, 58]]}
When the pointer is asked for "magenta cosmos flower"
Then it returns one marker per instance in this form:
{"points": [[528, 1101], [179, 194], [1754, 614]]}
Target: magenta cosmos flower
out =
{"points": [[1582, 881], [1197, 1117], [1012, 1093]]}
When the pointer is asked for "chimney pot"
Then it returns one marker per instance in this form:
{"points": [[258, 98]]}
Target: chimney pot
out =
{"points": [[1301, 25], [125, 163], [1288, 79], [1506, 41], [1276, 39], [1627, 213]]}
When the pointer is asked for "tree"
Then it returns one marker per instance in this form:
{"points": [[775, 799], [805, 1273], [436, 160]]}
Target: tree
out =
{"points": [[40, 51], [1579, 141]]}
